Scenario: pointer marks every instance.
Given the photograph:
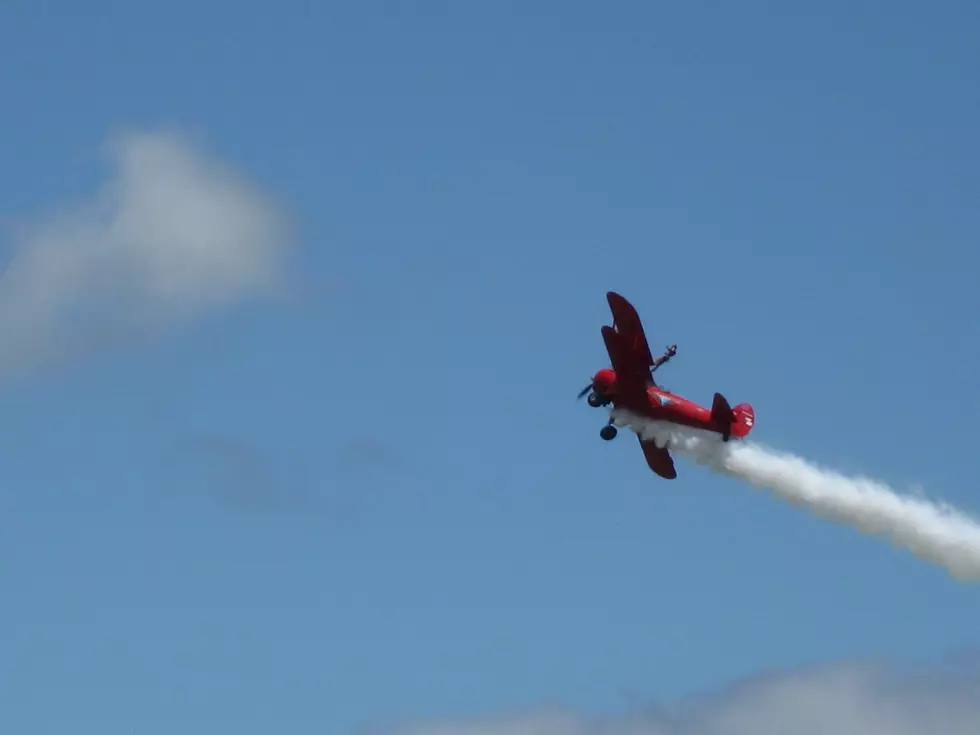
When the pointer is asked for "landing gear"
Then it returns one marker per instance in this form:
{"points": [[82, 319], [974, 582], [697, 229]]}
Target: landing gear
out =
{"points": [[608, 432], [595, 400]]}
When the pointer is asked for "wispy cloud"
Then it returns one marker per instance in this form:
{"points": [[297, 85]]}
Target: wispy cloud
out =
{"points": [[173, 234], [240, 475], [840, 699], [243, 476], [366, 452]]}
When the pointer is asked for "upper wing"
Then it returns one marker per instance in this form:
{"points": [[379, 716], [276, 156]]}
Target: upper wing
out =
{"points": [[632, 373], [627, 346], [659, 460], [627, 322]]}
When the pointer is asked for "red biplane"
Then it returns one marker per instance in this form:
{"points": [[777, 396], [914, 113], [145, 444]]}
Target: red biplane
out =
{"points": [[629, 385]]}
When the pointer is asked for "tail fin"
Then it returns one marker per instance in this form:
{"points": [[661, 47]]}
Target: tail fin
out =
{"points": [[721, 412], [736, 422]]}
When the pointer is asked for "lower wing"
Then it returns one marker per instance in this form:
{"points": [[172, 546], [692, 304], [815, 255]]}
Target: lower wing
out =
{"points": [[659, 460]]}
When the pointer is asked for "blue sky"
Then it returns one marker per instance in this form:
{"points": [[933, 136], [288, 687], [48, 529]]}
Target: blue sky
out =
{"points": [[376, 499]]}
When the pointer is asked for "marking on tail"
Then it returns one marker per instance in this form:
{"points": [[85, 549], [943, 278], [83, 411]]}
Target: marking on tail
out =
{"points": [[736, 421], [744, 420]]}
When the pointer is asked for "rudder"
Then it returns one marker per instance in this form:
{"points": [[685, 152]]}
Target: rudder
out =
{"points": [[744, 420], [737, 422]]}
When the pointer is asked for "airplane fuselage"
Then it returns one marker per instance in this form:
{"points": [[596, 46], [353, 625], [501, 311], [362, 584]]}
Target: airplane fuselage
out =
{"points": [[658, 404]]}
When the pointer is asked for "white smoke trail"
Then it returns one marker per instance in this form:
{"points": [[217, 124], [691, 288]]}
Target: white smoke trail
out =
{"points": [[937, 533]]}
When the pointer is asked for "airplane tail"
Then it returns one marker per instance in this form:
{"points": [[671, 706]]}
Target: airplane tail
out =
{"points": [[744, 420], [737, 421]]}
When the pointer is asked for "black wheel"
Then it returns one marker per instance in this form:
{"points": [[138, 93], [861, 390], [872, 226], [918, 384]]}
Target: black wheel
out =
{"points": [[608, 433], [594, 400]]}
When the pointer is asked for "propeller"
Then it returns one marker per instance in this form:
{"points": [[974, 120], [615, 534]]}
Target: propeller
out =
{"points": [[585, 390]]}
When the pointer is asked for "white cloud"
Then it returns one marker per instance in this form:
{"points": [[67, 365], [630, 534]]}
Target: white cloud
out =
{"points": [[172, 235], [842, 699]]}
